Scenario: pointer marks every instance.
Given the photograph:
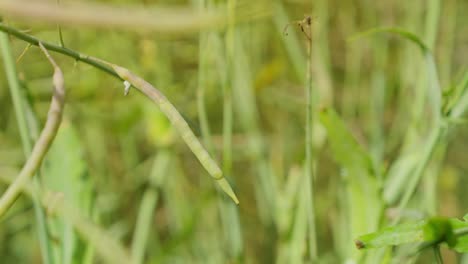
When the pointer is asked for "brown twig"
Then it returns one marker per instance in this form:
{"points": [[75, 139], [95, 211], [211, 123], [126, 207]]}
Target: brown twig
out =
{"points": [[54, 118]]}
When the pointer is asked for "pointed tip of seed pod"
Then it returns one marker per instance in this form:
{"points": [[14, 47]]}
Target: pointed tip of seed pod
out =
{"points": [[223, 183]]}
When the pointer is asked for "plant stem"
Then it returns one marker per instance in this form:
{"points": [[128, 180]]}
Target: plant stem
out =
{"points": [[18, 103], [143, 224], [309, 149], [227, 89], [202, 83], [65, 51], [437, 255], [428, 151], [54, 118], [230, 215], [148, 204]]}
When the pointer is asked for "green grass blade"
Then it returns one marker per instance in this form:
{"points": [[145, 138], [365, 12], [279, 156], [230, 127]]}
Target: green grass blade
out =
{"points": [[399, 31], [395, 235], [429, 233], [65, 172], [434, 93], [19, 105], [345, 148], [148, 204], [461, 106], [362, 190]]}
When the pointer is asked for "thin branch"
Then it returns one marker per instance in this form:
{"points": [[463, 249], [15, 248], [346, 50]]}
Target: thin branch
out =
{"points": [[54, 118], [52, 47], [151, 92]]}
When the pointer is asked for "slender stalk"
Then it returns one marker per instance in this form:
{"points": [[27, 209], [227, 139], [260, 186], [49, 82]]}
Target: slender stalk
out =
{"points": [[244, 101], [227, 90], [15, 91], [65, 51], [143, 224], [432, 22], [203, 118], [42, 145], [462, 106], [428, 151], [148, 204], [377, 105], [309, 149], [231, 213], [437, 255], [18, 103]]}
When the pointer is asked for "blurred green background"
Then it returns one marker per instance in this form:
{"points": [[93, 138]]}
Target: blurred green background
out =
{"points": [[239, 81]]}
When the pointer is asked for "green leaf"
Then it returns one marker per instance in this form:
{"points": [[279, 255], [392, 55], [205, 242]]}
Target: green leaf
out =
{"points": [[393, 187], [397, 177], [362, 189], [461, 243], [439, 229], [345, 149], [392, 236], [435, 230], [65, 174], [402, 32], [434, 91]]}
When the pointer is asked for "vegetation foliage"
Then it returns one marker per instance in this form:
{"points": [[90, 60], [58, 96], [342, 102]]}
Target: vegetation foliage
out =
{"points": [[333, 131]]}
